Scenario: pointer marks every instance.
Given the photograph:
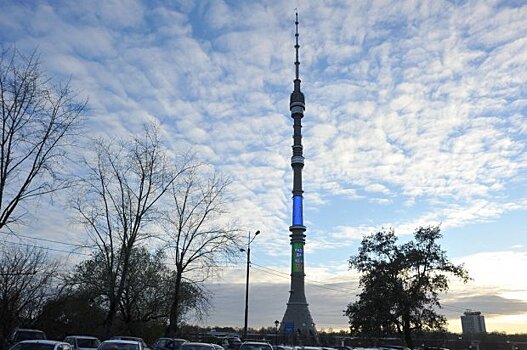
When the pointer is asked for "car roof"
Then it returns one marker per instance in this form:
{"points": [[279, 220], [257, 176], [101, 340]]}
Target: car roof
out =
{"points": [[42, 341], [122, 341]]}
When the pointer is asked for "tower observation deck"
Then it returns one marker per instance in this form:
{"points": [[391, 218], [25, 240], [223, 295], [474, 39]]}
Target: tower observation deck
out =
{"points": [[297, 322]]}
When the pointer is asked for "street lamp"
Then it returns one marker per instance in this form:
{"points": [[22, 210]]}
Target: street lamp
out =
{"points": [[276, 324], [249, 241]]}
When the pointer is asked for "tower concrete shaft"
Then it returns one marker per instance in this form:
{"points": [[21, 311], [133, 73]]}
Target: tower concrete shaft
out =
{"points": [[297, 321]]}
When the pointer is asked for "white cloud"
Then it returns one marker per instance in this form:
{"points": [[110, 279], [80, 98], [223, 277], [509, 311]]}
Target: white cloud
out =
{"points": [[488, 269], [417, 105]]}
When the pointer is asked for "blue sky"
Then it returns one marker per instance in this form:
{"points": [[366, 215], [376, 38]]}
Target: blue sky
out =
{"points": [[415, 115]]}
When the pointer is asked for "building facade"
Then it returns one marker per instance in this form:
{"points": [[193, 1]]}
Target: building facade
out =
{"points": [[473, 322]]}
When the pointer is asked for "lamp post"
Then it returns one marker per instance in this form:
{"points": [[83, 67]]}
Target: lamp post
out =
{"points": [[276, 324], [249, 241]]}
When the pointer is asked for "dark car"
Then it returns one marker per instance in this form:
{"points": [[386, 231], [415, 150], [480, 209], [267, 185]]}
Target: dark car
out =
{"points": [[22, 334], [168, 344]]}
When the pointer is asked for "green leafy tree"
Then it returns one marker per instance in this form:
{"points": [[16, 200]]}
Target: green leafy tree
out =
{"points": [[401, 284], [65, 314], [147, 292]]}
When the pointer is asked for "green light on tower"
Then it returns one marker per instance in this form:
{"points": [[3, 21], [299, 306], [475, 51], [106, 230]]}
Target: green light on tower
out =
{"points": [[298, 257]]}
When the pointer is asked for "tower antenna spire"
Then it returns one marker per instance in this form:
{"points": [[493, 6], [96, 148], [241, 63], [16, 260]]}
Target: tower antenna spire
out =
{"points": [[297, 62]]}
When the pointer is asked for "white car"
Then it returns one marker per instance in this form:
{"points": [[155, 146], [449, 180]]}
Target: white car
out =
{"points": [[256, 345], [197, 346], [82, 342], [41, 345], [118, 344]]}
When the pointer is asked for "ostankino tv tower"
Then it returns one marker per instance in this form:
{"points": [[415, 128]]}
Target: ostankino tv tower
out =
{"points": [[297, 321]]}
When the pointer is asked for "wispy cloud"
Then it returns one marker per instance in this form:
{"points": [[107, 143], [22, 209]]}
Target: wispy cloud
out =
{"points": [[415, 111]]}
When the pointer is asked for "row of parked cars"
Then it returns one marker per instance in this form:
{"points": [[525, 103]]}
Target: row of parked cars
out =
{"points": [[32, 339]]}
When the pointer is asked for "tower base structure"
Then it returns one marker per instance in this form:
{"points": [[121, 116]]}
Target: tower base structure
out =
{"points": [[297, 326]]}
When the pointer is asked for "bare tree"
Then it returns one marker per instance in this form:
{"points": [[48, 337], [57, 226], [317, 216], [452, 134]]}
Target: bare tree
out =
{"points": [[26, 276], [118, 199], [198, 236], [39, 120]]}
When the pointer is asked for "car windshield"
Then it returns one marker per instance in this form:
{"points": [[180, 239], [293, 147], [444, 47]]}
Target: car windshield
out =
{"points": [[87, 343], [118, 346], [29, 335], [33, 346]]}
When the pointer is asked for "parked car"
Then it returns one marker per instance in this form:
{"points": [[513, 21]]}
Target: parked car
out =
{"points": [[197, 346], [41, 344], [231, 343], [217, 347], [128, 337], [168, 344], [282, 347], [255, 345], [120, 344], [82, 342], [21, 334]]}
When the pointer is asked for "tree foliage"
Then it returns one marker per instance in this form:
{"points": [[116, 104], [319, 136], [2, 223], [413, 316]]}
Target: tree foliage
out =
{"points": [[39, 121], [401, 284], [66, 313], [146, 296]]}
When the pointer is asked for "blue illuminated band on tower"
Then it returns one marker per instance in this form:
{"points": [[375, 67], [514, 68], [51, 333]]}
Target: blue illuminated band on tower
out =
{"points": [[298, 216]]}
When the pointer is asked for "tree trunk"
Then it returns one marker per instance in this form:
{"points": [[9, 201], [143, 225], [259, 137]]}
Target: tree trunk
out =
{"points": [[173, 326], [407, 333], [114, 302], [108, 321]]}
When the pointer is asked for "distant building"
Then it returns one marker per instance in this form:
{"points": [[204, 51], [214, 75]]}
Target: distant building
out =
{"points": [[473, 322]]}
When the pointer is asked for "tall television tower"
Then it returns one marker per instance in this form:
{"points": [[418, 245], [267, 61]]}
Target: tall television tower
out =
{"points": [[297, 321]]}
